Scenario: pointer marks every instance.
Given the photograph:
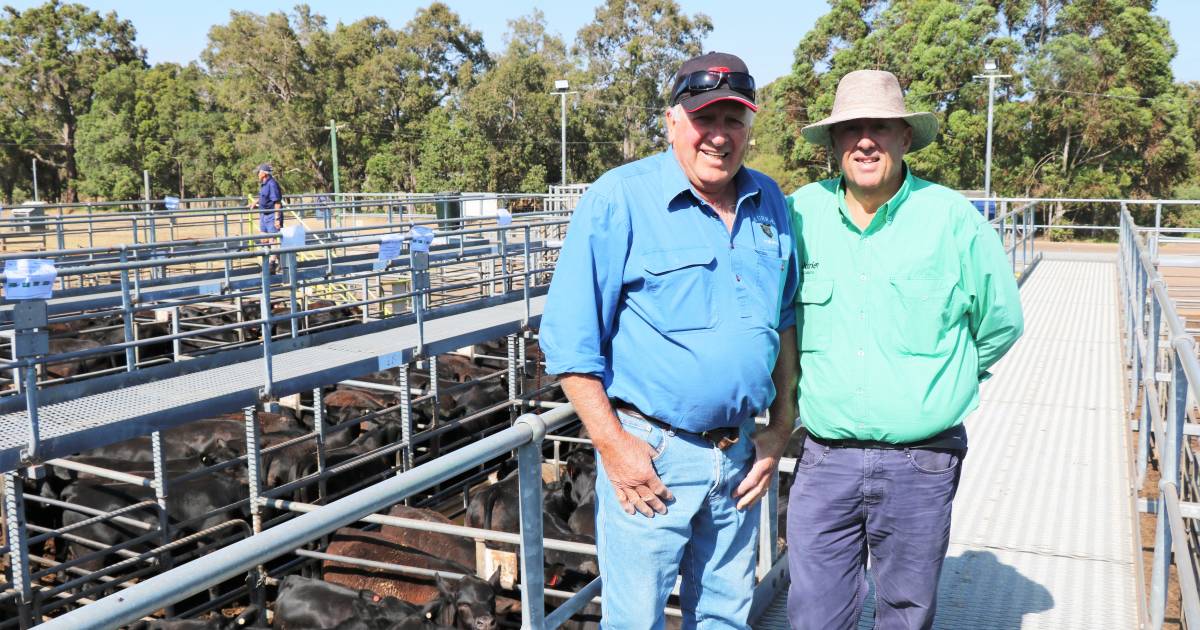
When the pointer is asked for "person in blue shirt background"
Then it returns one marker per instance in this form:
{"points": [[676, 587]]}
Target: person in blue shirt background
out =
{"points": [[269, 197], [670, 322]]}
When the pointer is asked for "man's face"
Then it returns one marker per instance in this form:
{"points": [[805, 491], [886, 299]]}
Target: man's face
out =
{"points": [[871, 151], [710, 143], [262, 176]]}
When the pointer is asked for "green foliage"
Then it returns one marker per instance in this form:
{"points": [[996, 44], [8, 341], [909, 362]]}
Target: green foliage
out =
{"points": [[50, 57], [1091, 108], [1090, 111]]}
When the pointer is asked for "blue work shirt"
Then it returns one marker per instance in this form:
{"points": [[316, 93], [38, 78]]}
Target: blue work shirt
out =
{"points": [[654, 296], [268, 195]]}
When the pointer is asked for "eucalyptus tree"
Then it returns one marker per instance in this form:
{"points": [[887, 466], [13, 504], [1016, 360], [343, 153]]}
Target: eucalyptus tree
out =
{"points": [[50, 57]]}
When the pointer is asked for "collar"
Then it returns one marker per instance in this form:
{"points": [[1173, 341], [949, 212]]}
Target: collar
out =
{"points": [[675, 183], [887, 212]]}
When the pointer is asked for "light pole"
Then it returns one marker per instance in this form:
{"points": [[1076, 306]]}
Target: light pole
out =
{"points": [[989, 67], [560, 88]]}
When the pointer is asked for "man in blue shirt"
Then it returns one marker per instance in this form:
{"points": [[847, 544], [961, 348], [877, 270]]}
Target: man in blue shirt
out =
{"points": [[269, 197], [670, 321]]}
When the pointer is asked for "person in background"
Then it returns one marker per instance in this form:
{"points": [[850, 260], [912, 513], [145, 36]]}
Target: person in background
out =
{"points": [[270, 200]]}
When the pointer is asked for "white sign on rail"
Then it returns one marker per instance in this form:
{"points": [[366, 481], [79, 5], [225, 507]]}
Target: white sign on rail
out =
{"points": [[29, 279], [421, 238], [389, 248], [293, 235]]}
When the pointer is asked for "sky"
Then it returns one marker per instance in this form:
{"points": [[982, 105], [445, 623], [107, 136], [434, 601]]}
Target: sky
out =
{"points": [[762, 33]]}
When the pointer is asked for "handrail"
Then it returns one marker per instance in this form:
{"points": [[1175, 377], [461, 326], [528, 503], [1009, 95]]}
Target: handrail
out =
{"points": [[1147, 306]]}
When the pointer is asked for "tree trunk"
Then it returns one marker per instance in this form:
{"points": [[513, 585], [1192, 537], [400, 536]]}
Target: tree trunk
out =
{"points": [[1066, 149], [71, 169]]}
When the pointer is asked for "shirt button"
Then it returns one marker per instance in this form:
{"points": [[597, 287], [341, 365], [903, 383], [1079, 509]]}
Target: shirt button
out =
{"points": [[861, 353], [862, 315], [739, 277], [859, 391], [862, 276]]}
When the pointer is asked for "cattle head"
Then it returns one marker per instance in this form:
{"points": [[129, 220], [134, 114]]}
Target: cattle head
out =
{"points": [[581, 474], [470, 604]]}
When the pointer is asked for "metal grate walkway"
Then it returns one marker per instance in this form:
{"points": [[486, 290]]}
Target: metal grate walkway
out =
{"points": [[1042, 534], [96, 420]]}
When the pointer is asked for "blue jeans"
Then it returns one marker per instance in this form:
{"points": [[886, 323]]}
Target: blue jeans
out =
{"points": [[702, 537], [893, 504]]}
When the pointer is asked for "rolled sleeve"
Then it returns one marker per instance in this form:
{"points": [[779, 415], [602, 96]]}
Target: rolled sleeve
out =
{"points": [[995, 317], [581, 306]]}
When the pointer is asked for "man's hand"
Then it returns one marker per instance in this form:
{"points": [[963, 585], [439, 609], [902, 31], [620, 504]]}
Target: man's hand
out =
{"points": [[772, 440], [628, 464], [768, 448], [627, 460]]}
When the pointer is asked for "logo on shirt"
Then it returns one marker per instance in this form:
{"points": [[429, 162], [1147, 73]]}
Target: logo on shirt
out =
{"points": [[810, 267], [766, 229]]}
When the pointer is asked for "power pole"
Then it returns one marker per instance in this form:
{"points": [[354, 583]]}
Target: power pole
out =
{"points": [[989, 67], [333, 127], [35, 192], [560, 88]]}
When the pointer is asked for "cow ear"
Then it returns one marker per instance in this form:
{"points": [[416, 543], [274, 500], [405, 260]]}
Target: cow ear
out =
{"points": [[495, 579], [444, 587]]}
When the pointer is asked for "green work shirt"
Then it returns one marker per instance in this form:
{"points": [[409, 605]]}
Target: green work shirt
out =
{"points": [[897, 324]]}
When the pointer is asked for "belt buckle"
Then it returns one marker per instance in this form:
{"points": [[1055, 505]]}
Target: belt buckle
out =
{"points": [[722, 438]]}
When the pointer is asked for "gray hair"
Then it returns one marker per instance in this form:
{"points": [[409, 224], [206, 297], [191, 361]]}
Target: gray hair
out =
{"points": [[678, 112]]}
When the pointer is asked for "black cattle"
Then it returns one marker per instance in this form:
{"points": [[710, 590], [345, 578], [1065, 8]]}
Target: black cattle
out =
{"points": [[214, 439], [497, 507], [186, 501], [581, 484], [307, 604]]}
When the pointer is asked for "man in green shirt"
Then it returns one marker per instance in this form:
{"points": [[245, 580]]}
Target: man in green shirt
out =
{"points": [[906, 299]]}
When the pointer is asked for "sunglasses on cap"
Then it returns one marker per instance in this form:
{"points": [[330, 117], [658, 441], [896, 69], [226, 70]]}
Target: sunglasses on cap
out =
{"points": [[706, 80]]}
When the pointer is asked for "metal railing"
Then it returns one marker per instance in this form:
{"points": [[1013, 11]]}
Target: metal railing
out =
{"points": [[70, 226], [1165, 374], [525, 436]]}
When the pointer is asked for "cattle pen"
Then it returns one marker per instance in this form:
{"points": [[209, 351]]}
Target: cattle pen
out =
{"points": [[397, 348]]}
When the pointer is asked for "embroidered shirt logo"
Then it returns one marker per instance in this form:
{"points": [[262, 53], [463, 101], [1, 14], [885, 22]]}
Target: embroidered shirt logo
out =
{"points": [[810, 266], [766, 228]]}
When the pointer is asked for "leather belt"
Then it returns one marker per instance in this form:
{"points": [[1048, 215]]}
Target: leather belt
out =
{"points": [[722, 437]]}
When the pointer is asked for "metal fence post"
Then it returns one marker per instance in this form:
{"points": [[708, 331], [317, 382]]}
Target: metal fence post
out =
{"points": [[405, 417], [529, 474], [1169, 458], [514, 389], [254, 474], [319, 427], [127, 314], [1138, 307], [768, 528], [1150, 379], [265, 312], [18, 546], [160, 496]]}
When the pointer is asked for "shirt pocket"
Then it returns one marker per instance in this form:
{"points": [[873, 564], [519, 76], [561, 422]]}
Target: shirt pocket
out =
{"points": [[926, 307], [813, 316], [679, 285], [770, 271]]}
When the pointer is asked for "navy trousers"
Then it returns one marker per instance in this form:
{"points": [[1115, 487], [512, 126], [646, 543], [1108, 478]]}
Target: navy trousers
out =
{"points": [[846, 503]]}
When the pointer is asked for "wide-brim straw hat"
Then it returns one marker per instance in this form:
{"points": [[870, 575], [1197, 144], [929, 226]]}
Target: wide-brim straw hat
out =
{"points": [[872, 94]]}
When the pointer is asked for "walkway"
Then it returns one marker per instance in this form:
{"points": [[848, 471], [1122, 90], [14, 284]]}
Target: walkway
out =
{"points": [[97, 420], [1042, 534]]}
